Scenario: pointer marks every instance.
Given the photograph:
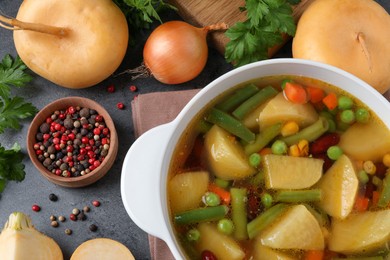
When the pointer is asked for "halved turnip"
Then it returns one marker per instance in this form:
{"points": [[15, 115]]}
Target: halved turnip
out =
{"points": [[353, 35], [78, 43]]}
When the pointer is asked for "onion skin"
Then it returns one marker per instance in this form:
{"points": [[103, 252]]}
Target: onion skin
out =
{"points": [[176, 52], [353, 35]]}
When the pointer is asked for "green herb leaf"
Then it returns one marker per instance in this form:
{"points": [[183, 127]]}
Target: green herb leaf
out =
{"points": [[13, 110], [11, 166], [251, 39], [12, 74], [141, 13]]}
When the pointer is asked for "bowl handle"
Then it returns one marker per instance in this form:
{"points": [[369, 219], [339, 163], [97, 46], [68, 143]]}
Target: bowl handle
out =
{"points": [[141, 178]]}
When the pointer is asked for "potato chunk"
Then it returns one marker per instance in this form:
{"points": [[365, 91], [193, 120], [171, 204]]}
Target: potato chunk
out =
{"points": [[359, 233], [261, 252], [288, 172], [279, 109], [186, 190], [221, 245], [226, 157], [339, 187], [297, 229], [366, 141]]}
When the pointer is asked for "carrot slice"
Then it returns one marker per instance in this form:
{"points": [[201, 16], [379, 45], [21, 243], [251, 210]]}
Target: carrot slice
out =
{"points": [[315, 94], [330, 101], [314, 255], [361, 203], [295, 93], [222, 193]]}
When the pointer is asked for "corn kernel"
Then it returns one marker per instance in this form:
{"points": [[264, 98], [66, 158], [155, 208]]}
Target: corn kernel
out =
{"points": [[369, 167], [303, 146], [289, 128], [386, 160], [293, 150]]}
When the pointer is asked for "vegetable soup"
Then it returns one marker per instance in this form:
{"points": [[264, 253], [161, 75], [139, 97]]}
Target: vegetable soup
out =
{"points": [[284, 167]]}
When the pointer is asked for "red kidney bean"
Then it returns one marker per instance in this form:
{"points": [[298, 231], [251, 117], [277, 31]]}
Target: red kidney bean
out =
{"points": [[324, 142], [208, 255]]}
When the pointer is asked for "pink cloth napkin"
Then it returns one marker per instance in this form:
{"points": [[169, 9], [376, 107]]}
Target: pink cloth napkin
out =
{"points": [[153, 109], [150, 110]]}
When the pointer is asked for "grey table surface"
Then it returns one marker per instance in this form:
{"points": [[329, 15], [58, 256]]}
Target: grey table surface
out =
{"points": [[111, 218]]}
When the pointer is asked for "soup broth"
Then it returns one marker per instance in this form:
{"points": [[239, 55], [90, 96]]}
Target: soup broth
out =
{"points": [[283, 167]]}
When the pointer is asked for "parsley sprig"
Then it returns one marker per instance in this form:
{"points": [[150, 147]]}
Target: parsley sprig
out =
{"points": [[12, 110], [266, 21], [141, 13]]}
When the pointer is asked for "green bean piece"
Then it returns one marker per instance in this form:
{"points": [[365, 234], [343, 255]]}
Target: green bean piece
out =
{"points": [[310, 133], [265, 219], [251, 103], [384, 197], [237, 98], [258, 179], [263, 138], [203, 126], [230, 124], [201, 215], [224, 184], [298, 196], [239, 215]]}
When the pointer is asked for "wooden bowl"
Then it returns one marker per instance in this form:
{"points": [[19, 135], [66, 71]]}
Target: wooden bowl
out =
{"points": [[93, 175]]}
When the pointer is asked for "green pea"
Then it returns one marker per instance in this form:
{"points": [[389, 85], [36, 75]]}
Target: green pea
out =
{"points": [[254, 160], [334, 152], [267, 200], [211, 199], [345, 102], [279, 147], [225, 226], [193, 235], [363, 177], [347, 116], [222, 183], [362, 115]]}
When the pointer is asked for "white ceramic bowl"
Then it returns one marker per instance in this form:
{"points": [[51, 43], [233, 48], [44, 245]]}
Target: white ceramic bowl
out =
{"points": [[143, 183]]}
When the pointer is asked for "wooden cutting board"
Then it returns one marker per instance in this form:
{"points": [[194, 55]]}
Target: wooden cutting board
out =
{"points": [[206, 12]]}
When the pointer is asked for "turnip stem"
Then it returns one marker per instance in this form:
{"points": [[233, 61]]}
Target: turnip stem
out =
{"points": [[14, 24]]}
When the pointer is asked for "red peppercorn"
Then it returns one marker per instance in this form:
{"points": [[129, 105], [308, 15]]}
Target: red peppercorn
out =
{"points": [[36, 208], [46, 136], [57, 127], [96, 131], [73, 217], [71, 110], [49, 120], [133, 88], [96, 203], [58, 172], [105, 131], [104, 141], [71, 136], [38, 152], [99, 118], [36, 146], [96, 163], [111, 88], [120, 105], [84, 140]]}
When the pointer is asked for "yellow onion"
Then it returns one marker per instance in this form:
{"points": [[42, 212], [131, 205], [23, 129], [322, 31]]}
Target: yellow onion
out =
{"points": [[176, 52]]}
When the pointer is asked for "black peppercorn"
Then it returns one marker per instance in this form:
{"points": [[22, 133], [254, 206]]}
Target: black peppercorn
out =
{"points": [[53, 197], [93, 227]]}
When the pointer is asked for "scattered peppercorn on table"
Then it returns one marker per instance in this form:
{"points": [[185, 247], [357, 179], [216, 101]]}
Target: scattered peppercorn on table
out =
{"points": [[72, 216]]}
